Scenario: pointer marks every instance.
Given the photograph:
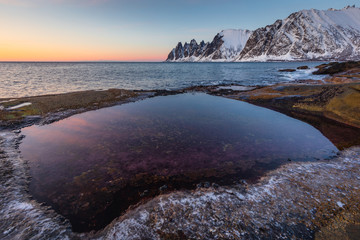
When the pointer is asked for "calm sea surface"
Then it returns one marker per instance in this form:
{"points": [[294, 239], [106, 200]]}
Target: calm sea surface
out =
{"points": [[30, 79]]}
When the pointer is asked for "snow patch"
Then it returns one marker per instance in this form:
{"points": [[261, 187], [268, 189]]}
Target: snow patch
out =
{"points": [[236, 88], [234, 42], [340, 204], [19, 106], [276, 204], [21, 206]]}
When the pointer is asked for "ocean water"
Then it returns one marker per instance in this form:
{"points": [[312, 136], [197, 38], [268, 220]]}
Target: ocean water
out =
{"points": [[37, 78]]}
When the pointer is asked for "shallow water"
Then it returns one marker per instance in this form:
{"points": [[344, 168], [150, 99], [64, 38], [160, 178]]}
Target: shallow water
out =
{"points": [[30, 79], [92, 166]]}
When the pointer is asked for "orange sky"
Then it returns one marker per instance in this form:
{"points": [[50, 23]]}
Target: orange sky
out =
{"points": [[127, 30], [23, 45], [57, 32], [12, 52]]}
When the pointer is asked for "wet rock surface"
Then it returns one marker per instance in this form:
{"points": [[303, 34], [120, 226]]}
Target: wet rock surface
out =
{"points": [[292, 202], [50, 108], [287, 70], [332, 105], [302, 67], [336, 67], [300, 200], [297, 201]]}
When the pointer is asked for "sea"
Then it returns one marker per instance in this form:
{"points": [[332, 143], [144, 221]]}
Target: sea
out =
{"points": [[20, 79]]}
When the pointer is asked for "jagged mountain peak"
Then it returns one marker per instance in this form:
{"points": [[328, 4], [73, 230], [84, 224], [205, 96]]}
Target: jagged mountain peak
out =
{"points": [[225, 45], [313, 34], [307, 35], [193, 42], [349, 7]]}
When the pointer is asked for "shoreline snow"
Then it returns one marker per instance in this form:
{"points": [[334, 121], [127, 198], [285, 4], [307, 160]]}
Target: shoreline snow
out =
{"points": [[288, 202]]}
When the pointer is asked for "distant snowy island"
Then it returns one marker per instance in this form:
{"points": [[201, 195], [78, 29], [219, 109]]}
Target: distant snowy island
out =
{"points": [[307, 35]]}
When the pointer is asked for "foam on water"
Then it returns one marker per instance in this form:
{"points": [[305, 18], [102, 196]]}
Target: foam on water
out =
{"points": [[302, 74]]}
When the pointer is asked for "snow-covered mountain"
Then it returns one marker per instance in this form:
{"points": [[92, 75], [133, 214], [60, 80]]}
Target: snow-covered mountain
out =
{"points": [[304, 35], [226, 46]]}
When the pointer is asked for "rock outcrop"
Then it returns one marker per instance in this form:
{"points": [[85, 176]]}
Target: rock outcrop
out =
{"points": [[225, 46]]}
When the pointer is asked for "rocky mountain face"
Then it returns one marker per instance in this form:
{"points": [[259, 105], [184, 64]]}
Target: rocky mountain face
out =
{"points": [[304, 35], [188, 51], [307, 35], [225, 46]]}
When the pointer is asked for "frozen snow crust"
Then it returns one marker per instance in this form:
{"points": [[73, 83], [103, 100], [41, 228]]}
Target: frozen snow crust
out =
{"points": [[290, 202]]}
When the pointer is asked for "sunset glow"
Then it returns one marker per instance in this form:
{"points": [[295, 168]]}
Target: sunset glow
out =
{"points": [[11, 52], [109, 30]]}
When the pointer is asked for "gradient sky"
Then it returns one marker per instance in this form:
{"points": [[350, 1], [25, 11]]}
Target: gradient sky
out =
{"points": [[129, 30]]}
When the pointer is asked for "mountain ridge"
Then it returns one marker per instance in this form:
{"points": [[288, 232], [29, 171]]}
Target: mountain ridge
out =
{"points": [[304, 35]]}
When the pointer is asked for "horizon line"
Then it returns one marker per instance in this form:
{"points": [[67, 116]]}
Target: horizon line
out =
{"points": [[79, 61]]}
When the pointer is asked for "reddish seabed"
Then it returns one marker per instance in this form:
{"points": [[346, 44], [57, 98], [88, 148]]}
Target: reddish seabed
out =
{"points": [[91, 167]]}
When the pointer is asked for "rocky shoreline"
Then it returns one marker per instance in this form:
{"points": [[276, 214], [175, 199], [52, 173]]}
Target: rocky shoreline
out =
{"points": [[336, 97], [19, 112], [313, 200], [331, 105], [296, 201]]}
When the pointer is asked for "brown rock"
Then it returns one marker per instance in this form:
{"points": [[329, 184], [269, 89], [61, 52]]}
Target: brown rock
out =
{"points": [[335, 67], [287, 70], [303, 67]]}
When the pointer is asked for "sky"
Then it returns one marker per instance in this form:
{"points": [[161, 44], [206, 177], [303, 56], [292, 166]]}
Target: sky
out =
{"points": [[129, 30]]}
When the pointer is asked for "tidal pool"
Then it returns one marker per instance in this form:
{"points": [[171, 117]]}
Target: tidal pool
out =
{"points": [[91, 167]]}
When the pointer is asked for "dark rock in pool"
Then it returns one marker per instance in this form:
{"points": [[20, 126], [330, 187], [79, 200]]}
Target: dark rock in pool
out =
{"points": [[303, 67], [287, 70]]}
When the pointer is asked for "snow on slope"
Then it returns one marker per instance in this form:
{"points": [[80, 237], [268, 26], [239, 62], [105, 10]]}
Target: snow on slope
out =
{"points": [[307, 35], [304, 35], [348, 17], [225, 46], [234, 42], [235, 39]]}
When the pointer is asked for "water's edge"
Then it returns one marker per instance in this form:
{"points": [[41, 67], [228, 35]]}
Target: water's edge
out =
{"points": [[292, 201]]}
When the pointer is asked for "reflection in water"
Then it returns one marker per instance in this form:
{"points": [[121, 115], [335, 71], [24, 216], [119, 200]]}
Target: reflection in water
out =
{"points": [[93, 166]]}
